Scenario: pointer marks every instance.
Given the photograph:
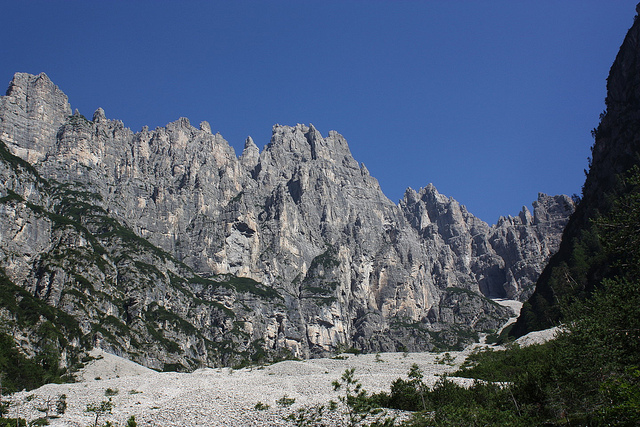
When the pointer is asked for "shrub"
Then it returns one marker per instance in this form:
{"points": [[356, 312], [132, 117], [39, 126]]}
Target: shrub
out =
{"points": [[285, 401], [99, 409], [261, 406], [61, 404], [111, 392]]}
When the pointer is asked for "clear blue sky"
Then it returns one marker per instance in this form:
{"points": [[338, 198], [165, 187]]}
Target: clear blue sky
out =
{"points": [[491, 101]]}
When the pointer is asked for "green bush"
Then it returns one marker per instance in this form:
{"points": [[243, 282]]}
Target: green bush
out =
{"points": [[13, 422], [261, 406], [99, 409], [286, 401], [111, 392]]}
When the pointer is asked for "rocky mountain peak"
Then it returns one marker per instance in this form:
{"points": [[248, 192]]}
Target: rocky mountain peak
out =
{"points": [[290, 250], [431, 207], [250, 155], [307, 143], [479, 249], [525, 216], [205, 126], [550, 209], [31, 113], [99, 115]]}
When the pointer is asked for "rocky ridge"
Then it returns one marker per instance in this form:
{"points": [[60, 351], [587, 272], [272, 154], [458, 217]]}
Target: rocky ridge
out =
{"points": [[169, 249]]}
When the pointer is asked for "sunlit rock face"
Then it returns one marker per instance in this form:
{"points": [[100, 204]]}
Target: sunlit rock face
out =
{"points": [[312, 255], [504, 260]]}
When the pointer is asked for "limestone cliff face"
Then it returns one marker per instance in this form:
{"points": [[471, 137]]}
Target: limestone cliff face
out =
{"points": [[293, 248], [503, 260], [31, 114]]}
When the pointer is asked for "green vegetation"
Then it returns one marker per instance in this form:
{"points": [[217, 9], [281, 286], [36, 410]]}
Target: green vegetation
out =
{"points": [[77, 119], [446, 359], [99, 409], [261, 406], [13, 422], [10, 197], [285, 401], [323, 294], [28, 310], [330, 288], [341, 348], [60, 222], [355, 407], [61, 404], [247, 285], [174, 367], [453, 290], [355, 398], [239, 284], [118, 326], [237, 197], [52, 330], [448, 404], [112, 230], [456, 337], [158, 337], [327, 259], [111, 392], [19, 165], [161, 315], [314, 285]]}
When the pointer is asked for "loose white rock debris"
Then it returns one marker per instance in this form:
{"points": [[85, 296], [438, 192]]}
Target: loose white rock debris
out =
{"points": [[221, 396], [226, 397]]}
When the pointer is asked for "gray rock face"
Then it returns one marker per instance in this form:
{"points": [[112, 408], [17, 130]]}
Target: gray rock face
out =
{"points": [[503, 260], [313, 256], [31, 114]]}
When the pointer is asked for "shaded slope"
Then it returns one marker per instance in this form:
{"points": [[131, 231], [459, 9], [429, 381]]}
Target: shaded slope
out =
{"points": [[579, 264]]}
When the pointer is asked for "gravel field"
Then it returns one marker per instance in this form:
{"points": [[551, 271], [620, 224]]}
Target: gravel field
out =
{"points": [[218, 397], [223, 396]]}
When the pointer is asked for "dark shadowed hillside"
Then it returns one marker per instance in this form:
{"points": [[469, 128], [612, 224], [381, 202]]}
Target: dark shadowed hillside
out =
{"points": [[580, 263]]}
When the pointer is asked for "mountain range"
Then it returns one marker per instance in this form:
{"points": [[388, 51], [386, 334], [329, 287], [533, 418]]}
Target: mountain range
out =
{"points": [[167, 248]]}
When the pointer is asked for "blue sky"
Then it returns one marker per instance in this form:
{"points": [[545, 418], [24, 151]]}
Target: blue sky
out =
{"points": [[492, 102]]}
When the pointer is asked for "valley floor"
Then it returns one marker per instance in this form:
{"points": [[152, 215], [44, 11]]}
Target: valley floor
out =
{"points": [[221, 396]]}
